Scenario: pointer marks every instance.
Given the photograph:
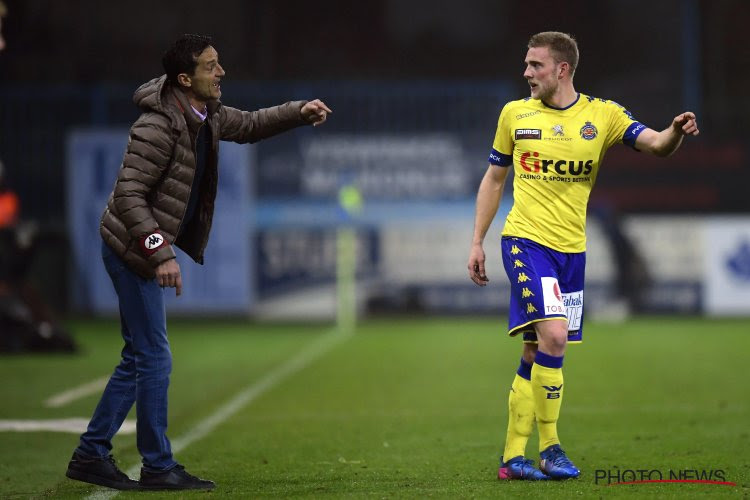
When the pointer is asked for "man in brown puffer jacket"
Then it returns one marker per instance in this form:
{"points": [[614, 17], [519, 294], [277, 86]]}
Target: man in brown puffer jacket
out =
{"points": [[164, 196]]}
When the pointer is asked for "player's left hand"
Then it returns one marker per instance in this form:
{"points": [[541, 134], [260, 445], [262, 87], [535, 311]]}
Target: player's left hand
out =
{"points": [[315, 112], [686, 124]]}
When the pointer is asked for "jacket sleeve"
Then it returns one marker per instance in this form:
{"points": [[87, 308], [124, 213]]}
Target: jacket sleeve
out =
{"points": [[149, 152], [252, 126]]}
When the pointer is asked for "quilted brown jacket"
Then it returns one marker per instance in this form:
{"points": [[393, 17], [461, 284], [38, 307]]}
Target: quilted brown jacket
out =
{"points": [[154, 182]]}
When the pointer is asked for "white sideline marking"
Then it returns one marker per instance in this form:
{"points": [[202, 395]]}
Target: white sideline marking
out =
{"points": [[246, 396], [79, 392], [71, 425]]}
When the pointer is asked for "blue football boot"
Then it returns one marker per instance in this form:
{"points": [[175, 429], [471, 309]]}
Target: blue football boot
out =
{"points": [[519, 468], [556, 464]]}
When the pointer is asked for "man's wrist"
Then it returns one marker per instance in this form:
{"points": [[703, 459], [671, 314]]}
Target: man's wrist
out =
{"points": [[301, 114]]}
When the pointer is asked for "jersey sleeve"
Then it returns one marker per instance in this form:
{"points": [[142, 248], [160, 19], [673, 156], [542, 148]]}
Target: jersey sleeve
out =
{"points": [[624, 128], [502, 147]]}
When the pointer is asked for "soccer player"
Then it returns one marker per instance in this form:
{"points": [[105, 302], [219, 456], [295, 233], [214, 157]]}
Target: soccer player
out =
{"points": [[164, 197], [555, 140]]}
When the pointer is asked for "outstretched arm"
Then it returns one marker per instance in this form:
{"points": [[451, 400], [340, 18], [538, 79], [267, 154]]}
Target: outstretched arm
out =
{"points": [[488, 200], [667, 141], [253, 126]]}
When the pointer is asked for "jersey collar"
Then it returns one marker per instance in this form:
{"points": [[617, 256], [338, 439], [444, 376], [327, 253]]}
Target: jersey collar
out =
{"points": [[578, 96]]}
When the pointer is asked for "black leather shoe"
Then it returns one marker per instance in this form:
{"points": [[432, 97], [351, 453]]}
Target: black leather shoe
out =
{"points": [[100, 471], [175, 478]]}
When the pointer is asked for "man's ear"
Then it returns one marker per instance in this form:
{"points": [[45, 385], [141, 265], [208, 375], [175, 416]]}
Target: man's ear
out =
{"points": [[564, 67], [184, 80]]}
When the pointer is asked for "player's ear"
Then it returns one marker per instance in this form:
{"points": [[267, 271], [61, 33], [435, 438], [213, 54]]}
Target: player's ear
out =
{"points": [[564, 68]]}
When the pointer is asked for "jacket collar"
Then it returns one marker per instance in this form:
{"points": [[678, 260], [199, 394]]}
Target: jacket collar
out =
{"points": [[183, 104]]}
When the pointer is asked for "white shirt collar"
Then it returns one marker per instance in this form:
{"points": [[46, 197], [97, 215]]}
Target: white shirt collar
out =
{"points": [[202, 115]]}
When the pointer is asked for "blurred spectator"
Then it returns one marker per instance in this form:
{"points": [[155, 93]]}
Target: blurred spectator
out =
{"points": [[26, 323], [8, 202], [3, 13], [632, 275]]}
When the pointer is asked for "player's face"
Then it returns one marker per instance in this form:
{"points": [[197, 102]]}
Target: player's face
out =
{"points": [[541, 73], [205, 81]]}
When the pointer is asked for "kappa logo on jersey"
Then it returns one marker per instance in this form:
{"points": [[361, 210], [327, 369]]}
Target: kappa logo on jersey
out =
{"points": [[627, 113], [588, 131], [153, 241], [526, 115], [528, 133], [562, 167]]}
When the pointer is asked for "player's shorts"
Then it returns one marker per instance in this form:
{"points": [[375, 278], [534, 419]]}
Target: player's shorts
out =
{"points": [[544, 284]]}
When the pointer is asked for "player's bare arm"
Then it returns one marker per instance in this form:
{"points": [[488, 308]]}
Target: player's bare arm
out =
{"points": [[488, 200], [667, 141]]}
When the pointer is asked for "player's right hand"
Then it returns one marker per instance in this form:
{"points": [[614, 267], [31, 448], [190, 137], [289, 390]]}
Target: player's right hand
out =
{"points": [[168, 274], [476, 266]]}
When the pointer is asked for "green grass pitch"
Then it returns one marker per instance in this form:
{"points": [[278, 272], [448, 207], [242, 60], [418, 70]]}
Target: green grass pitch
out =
{"points": [[405, 408]]}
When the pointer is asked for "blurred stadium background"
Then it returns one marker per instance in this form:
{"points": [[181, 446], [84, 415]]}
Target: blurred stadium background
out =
{"points": [[416, 88], [416, 91]]}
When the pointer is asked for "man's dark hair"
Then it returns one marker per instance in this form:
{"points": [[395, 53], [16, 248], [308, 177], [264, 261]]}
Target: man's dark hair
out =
{"points": [[182, 56]]}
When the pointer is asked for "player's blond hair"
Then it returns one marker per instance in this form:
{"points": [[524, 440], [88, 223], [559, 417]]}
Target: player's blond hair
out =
{"points": [[562, 47]]}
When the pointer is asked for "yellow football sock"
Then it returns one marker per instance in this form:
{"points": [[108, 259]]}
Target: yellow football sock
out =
{"points": [[520, 417], [547, 389]]}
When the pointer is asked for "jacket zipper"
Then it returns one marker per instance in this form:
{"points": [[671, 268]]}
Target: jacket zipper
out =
{"points": [[190, 191], [208, 228]]}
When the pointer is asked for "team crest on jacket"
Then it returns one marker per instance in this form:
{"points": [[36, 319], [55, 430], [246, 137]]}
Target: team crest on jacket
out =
{"points": [[588, 131]]}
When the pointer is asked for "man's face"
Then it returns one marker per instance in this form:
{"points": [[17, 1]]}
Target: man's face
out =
{"points": [[541, 73], [205, 80]]}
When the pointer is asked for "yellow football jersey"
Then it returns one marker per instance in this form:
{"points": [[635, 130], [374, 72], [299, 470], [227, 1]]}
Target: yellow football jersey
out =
{"points": [[556, 153]]}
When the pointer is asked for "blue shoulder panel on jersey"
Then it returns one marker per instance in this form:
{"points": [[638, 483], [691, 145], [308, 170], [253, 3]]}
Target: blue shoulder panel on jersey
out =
{"points": [[632, 133], [499, 159]]}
